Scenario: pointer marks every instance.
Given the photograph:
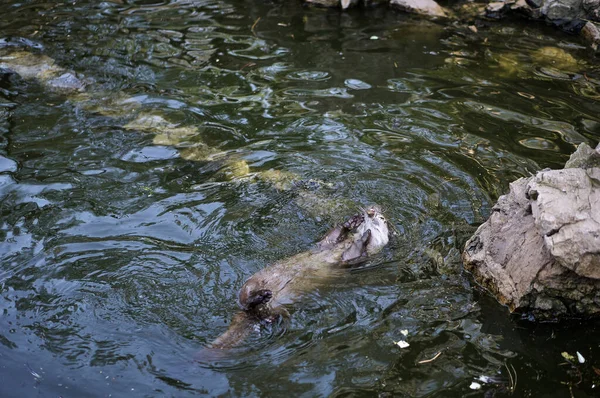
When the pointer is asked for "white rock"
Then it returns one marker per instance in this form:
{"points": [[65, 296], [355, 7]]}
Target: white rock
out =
{"points": [[423, 7]]}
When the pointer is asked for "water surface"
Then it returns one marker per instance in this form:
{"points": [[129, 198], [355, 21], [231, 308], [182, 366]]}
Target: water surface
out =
{"points": [[123, 247]]}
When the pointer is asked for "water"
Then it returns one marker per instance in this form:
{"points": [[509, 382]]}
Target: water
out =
{"points": [[123, 247]]}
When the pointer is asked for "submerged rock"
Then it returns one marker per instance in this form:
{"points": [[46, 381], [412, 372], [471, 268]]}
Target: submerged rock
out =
{"points": [[550, 62], [29, 65], [66, 81], [555, 57], [313, 196], [185, 138], [42, 68], [539, 252], [233, 169], [166, 133]]}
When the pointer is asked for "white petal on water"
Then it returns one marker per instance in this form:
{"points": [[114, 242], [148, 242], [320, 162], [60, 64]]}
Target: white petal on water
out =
{"points": [[404, 332], [356, 84], [475, 386], [401, 344], [580, 358]]}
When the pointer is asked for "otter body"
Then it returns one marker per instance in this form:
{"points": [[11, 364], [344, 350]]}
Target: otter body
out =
{"points": [[264, 295]]}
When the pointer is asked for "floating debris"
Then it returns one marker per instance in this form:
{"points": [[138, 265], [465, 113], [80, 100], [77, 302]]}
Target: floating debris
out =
{"points": [[35, 374], [568, 356], [512, 376], [433, 359], [356, 84], [401, 344], [475, 386], [484, 379], [580, 358]]}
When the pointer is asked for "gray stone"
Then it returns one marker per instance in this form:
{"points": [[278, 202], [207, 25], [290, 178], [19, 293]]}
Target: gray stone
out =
{"points": [[539, 252], [347, 3], [507, 251], [591, 5], [584, 157], [566, 210], [591, 34], [423, 7], [498, 9], [535, 3], [592, 8], [324, 3], [557, 12], [546, 303], [523, 7], [562, 10]]}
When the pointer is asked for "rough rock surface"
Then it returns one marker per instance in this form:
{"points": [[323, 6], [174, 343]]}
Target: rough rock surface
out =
{"points": [[566, 208], [591, 33], [584, 158], [325, 3], [507, 251], [556, 10], [423, 7], [539, 252], [574, 16]]}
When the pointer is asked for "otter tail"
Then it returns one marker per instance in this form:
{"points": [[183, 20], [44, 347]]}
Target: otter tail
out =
{"points": [[242, 325]]}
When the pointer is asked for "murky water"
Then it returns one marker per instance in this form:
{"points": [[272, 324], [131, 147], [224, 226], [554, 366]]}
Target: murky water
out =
{"points": [[124, 242]]}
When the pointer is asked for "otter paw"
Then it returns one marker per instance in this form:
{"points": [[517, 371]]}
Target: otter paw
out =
{"points": [[354, 222], [259, 297]]}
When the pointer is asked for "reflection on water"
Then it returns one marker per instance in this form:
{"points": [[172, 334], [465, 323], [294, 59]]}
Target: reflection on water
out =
{"points": [[210, 138]]}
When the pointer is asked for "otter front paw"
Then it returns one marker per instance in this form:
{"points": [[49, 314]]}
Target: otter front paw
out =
{"points": [[354, 222], [259, 297], [358, 250]]}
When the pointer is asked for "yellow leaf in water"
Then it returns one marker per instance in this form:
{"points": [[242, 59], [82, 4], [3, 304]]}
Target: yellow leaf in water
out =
{"points": [[567, 356]]}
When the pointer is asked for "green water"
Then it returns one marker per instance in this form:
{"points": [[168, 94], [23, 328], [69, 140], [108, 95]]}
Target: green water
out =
{"points": [[121, 259]]}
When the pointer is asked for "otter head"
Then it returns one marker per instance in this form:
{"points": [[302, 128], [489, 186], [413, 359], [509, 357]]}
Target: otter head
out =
{"points": [[376, 222]]}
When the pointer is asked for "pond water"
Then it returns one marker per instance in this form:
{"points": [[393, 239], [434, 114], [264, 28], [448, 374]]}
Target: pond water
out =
{"points": [[214, 137]]}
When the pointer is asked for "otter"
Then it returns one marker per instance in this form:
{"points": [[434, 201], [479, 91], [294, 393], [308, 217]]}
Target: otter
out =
{"points": [[265, 294]]}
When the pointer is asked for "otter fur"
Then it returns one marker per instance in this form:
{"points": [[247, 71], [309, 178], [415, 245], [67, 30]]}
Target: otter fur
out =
{"points": [[266, 293]]}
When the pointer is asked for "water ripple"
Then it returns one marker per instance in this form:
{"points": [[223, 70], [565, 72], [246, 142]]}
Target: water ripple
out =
{"points": [[216, 137]]}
